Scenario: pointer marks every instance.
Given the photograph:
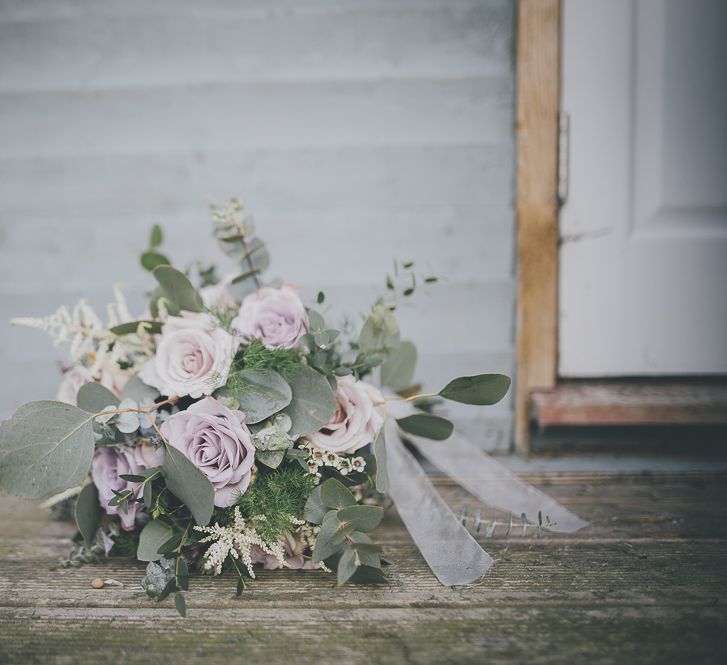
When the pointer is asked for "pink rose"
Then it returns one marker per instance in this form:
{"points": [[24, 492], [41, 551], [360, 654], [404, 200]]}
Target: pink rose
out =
{"points": [[78, 376], [109, 463], [193, 356], [276, 317], [293, 556], [357, 420], [216, 440]]}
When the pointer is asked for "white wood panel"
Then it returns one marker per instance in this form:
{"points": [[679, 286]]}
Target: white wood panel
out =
{"points": [[415, 178], [214, 117], [470, 245], [358, 131], [181, 49]]}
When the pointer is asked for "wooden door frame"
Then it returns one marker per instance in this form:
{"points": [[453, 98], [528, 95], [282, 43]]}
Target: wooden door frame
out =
{"points": [[536, 208]]}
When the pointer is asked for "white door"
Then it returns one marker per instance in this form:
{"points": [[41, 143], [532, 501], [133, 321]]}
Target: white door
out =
{"points": [[643, 260]]}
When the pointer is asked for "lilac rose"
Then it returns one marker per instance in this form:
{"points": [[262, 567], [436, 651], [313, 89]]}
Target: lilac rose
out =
{"points": [[109, 463], [193, 356], [357, 420], [276, 317], [217, 441]]}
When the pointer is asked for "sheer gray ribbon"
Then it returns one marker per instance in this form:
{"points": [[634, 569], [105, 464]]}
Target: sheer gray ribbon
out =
{"points": [[452, 553]]}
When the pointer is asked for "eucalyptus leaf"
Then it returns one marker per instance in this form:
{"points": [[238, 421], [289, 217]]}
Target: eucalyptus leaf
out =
{"points": [[45, 447], [139, 391], [382, 475], [159, 574], [151, 260], [427, 425], [397, 372], [482, 389], [346, 566], [298, 456], [152, 537], [130, 327], [270, 458], [331, 537], [313, 403], [315, 510], [88, 513], [367, 554], [315, 321], [380, 332], [336, 495], [259, 392], [368, 575], [94, 398], [180, 604], [189, 485], [157, 236], [177, 289], [361, 518]]}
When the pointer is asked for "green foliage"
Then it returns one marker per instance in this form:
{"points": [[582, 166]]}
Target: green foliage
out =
{"points": [[152, 258], [130, 327], [313, 403], [94, 398], [382, 476], [46, 447], [482, 389], [335, 495], [427, 425], [260, 393], [397, 371], [177, 290], [126, 543], [235, 230], [189, 485], [258, 357], [277, 495], [342, 541], [87, 513], [380, 332], [155, 534]]}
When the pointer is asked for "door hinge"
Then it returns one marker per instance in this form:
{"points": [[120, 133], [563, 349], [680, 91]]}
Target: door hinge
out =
{"points": [[563, 156]]}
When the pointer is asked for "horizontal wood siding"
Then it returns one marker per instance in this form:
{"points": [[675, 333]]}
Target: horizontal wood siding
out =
{"points": [[358, 132]]}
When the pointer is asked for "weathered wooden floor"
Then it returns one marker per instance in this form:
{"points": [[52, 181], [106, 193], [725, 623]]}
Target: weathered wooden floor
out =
{"points": [[645, 583]]}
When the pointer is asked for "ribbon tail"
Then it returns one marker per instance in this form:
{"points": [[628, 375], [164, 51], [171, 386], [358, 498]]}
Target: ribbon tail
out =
{"points": [[489, 480], [454, 556]]}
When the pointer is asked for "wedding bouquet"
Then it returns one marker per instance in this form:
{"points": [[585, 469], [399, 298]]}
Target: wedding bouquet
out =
{"points": [[229, 427]]}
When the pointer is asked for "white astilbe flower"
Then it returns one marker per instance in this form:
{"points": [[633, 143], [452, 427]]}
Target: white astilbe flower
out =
{"points": [[236, 541], [90, 342]]}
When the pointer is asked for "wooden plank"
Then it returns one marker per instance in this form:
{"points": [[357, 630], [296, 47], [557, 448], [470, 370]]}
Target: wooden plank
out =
{"points": [[550, 634], [658, 402], [644, 583], [538, 90]]}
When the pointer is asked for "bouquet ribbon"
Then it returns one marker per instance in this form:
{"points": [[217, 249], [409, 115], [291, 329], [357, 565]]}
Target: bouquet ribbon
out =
{"points": [[449, 549]]}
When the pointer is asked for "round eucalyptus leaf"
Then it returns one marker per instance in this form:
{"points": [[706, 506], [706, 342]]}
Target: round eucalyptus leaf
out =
{"points": [[313, 403], [152, 537], [94, 398], [260, 393], [45, 448]]}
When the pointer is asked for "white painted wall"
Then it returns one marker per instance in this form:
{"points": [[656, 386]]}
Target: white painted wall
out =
{"points": [[356, 130]]}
